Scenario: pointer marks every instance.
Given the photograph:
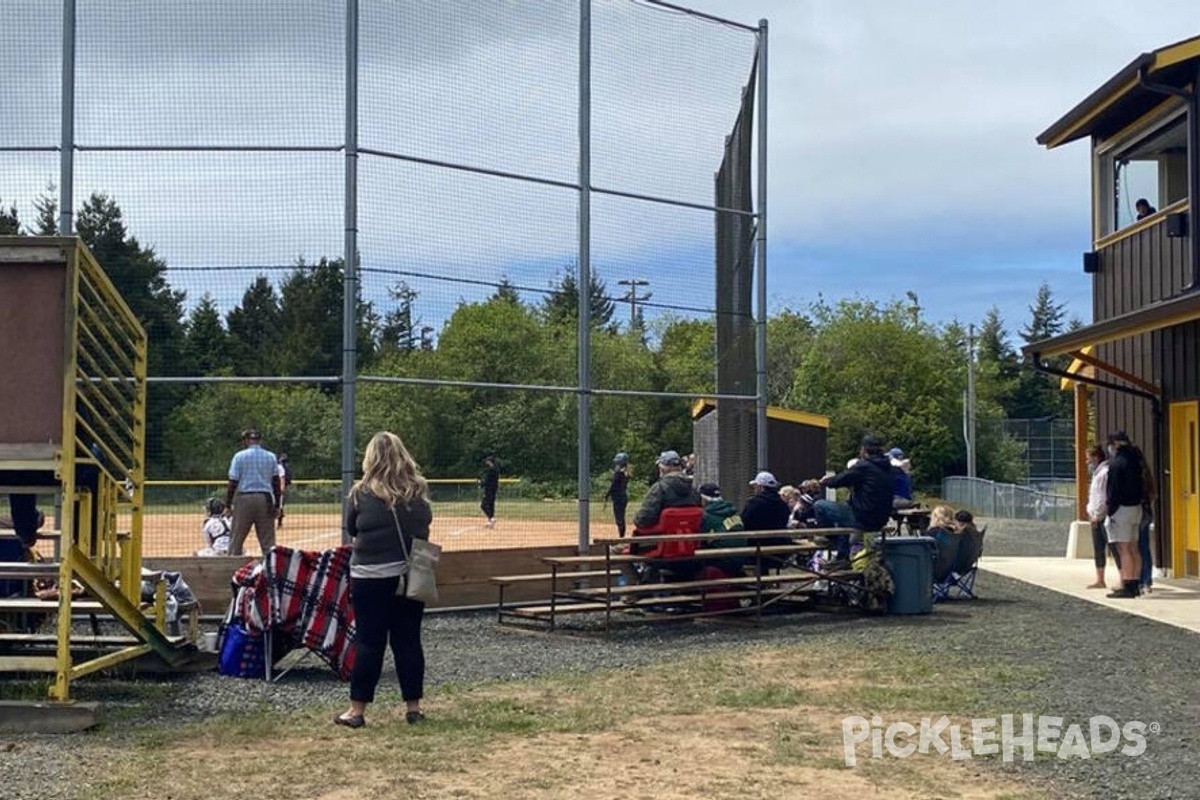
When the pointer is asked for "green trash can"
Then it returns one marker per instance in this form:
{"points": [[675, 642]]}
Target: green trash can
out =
{"points": [[910, 560]]}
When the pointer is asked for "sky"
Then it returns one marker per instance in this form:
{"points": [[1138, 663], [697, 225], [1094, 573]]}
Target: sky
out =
{"points": [[901, 140]]}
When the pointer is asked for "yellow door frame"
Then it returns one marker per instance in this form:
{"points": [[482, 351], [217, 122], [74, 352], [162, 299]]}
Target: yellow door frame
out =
{"points": [[1184, 421]]}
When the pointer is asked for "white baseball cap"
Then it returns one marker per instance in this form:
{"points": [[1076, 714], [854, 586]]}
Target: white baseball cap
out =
{"points": [[765, 479]]}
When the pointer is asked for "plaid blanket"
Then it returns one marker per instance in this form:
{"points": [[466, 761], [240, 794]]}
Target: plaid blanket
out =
{"points": [[303, 593]]}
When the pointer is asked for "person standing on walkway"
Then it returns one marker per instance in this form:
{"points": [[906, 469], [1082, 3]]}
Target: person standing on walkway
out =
{"points": [[389, 502], [1098, 467], [1151, 494], [253, 493], [489, 482], [618, 491], [1125, 491]]}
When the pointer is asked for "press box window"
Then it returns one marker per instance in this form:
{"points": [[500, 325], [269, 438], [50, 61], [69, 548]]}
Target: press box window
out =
{"points": [[1154, 167]]}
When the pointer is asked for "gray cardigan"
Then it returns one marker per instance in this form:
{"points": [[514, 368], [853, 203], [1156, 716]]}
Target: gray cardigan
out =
{"points": [[370, 522]]}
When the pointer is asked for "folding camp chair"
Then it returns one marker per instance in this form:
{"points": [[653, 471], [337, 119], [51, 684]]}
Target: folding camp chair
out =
{"points": [[960, 583]]}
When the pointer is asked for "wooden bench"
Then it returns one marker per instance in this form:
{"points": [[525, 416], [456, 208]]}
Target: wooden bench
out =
{"points": [[502, 582], [760, 586]]}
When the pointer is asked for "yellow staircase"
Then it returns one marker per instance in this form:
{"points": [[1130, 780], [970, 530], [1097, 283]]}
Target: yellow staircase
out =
{"points": [[73, 425]]}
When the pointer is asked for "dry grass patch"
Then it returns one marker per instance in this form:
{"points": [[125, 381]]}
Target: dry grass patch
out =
{"points": [[729, 725]]}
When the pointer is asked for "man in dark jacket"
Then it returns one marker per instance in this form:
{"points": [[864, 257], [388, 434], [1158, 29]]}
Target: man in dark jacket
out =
{"points": [[766, 510], [872, 483], [673, 489], [1125, 492]]}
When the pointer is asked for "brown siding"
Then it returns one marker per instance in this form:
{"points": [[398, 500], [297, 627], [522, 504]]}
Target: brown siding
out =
{"points": [[796, 452], [1138, 270], [32, 327]]}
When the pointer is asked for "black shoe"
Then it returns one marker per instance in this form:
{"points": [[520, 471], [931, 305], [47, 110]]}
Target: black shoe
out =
{"points": [[354, 721], [1128, 589], [413, 717]]}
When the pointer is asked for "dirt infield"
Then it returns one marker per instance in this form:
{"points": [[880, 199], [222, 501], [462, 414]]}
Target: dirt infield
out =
{"points": [[179, 535]]}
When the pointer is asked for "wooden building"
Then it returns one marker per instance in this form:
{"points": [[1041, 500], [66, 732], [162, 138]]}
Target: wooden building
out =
{"points": [[798, 448], [1143, 346]]}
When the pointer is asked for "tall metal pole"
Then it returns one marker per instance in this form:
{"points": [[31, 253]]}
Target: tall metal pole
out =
{"points": [[350, 255], [760, 354], [66, 152], [970, 404], [584, 456]]}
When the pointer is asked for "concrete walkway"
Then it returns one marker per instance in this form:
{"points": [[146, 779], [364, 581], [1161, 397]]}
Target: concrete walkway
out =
{"points": [[1174, 602]]}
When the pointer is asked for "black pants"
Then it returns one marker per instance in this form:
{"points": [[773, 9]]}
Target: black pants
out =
{"points": [[1100, 546], [619, 506], [23, 508], [488, 505], [378, 615]]}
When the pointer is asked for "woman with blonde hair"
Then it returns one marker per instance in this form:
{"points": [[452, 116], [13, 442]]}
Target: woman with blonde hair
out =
{"points": [[391, 500], [944, 532]]}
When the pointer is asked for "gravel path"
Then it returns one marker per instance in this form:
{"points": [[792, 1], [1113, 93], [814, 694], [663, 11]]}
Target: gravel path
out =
{"points": [[1097, 661]]}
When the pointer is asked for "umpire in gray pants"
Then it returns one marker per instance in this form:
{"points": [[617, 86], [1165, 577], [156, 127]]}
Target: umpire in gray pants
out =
{"points": [[254, 493]]}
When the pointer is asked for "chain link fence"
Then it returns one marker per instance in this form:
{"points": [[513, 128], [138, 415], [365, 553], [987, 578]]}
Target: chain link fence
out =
{"points": [[1054, 503], [480, 166]]}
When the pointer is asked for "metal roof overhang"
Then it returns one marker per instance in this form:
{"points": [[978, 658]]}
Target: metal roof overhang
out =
{"points": [[1122, 99], [1156, 316]]}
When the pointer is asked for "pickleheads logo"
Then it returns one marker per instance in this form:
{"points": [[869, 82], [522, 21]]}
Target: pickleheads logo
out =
{"points": [[1005, 736]]}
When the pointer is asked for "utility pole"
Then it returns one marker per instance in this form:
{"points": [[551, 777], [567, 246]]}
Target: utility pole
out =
{"points": [[969, 404], [633, 298]]}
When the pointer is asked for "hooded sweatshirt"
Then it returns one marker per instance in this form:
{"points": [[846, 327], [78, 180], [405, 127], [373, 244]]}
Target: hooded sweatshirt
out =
{"points": [[672, 490], [872, 487]]}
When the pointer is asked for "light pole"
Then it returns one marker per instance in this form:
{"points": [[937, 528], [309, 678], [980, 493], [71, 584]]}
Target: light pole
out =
{"points": [[633, 298], [969, 403]]}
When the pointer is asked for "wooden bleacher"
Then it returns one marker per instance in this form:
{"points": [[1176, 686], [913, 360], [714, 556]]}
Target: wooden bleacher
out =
{"points": [[755, 591]]}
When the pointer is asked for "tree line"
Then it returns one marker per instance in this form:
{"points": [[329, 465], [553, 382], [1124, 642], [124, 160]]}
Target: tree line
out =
{"points": [[909, 390]]}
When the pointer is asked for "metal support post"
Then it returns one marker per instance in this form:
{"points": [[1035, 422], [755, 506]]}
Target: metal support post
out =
{"points": [[760, 343], [66, 149], [584, 456], [350, 255]]}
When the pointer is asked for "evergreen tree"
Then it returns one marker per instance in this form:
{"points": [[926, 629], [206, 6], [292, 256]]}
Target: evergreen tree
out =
{"points": [[207, 341], [140, 277], [1037, 394], [46, 204], [10, 224], [507, 292], [254, 333], [561, 306], [399, 330]]}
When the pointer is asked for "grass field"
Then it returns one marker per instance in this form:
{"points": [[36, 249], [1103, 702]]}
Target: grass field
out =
{"points": [[735, 724]]}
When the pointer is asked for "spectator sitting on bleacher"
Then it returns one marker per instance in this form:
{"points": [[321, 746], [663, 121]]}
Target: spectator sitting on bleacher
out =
{"points": [[872, 482], [720, 516], [944, 532], [766, 510], [673, 489], [804, 511], [902, 494]]}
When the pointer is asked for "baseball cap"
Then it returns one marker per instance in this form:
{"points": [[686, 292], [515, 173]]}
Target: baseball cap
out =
{"points": [[669, 457], [710, 491], [765, 479], [896, 452]]}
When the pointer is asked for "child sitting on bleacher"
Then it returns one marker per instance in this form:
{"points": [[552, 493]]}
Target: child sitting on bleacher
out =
{"points": [[215, 530]]}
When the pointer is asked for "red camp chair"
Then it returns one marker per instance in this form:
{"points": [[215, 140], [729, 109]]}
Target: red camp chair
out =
{"points": [[682, 519]]}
